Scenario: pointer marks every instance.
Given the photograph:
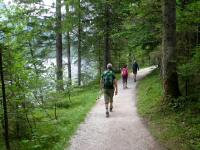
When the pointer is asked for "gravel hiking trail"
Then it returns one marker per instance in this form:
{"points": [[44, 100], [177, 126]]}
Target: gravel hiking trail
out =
{"points": [[123, 130]]}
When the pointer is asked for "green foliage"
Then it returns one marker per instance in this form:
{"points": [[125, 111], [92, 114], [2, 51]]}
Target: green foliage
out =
{"points": [[189, 72], [146, 16], [192, 67], [173, 129], [188, 16], [188, 48], [49, 133], [37, 113], [39, 117]]}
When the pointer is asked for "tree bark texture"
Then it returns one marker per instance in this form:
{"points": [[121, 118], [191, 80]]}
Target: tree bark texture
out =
{"points": [[99, 58], [69, 57], [107, 53], [6, 129], [79, 45], [170, 77], [68, 48], [59, 72]]}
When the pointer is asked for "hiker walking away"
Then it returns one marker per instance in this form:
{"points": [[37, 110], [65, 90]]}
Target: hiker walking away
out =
{"points": [[135, 68], [124, 73], [109, 86]]}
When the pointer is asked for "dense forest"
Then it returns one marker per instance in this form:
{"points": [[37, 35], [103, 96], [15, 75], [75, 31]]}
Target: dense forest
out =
{"points": [[50, 50]]}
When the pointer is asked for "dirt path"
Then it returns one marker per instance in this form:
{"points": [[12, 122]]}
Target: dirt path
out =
{"points": [[123, 130]]}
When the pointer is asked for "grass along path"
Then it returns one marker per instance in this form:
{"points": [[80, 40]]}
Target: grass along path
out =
{"points": [[175, 129], [53, 134], [82, 102]]}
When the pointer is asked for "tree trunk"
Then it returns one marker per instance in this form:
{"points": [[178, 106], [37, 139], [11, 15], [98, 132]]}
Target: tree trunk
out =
{"points": [[59, 71], [6, 129], [68, 48], [197, 37], [69, 58], [107, 54], [79, 45], [170, 77], [99, 57]]}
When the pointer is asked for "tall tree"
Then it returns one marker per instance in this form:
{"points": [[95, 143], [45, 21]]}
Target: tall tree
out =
{"points": [[68, 45], [59, 71], [79, 42], [6, 131], [107, 53], [170, 77]]}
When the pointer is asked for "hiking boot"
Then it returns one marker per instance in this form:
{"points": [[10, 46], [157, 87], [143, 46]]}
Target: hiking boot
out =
{"points": [[107, 114]]}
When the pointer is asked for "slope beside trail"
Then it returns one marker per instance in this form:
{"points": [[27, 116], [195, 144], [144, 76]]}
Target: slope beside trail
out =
{"points": [[123, 130]]}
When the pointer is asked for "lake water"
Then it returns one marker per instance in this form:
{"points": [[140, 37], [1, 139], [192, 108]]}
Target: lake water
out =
{"points": [[89, 69]]}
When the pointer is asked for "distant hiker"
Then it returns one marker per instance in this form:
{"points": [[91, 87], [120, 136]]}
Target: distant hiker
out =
{"points": [[135, 68], [109, 86], [124, 73]]}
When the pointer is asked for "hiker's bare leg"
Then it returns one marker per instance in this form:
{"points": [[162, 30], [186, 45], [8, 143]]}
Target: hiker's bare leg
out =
{"points": [[126, 82], [134, 76], [107, 113], [106, 104], [111, 106]]}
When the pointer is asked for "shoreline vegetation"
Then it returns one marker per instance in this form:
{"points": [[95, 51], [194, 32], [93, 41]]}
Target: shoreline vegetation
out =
{"points": [[56, 133]]}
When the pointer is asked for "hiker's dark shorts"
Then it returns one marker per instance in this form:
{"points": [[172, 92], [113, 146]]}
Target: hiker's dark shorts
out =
{"points": [[124, 79], [108, 95]]}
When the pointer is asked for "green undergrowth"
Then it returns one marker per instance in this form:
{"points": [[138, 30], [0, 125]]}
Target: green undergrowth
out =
{"points": [[175, 129], [69, 118], [51, 129]]}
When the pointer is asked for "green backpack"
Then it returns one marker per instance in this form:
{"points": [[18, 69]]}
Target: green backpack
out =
{"points": [[108, 78]]}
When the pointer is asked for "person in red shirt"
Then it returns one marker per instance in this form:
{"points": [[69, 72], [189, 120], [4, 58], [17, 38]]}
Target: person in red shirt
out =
{"points": [[124, 73]]}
